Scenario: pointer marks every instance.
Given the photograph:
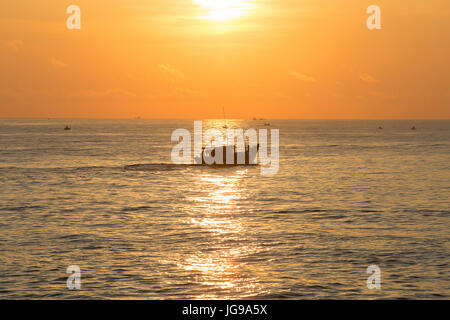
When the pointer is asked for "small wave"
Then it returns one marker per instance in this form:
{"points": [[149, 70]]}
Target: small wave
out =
{"points": [[159, 167], [20, 208], [311, 210], [56, 169], [134, 209], [153, 167]]}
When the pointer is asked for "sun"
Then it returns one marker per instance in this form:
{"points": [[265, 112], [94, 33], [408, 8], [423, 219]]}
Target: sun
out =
{"points": [[224, 10]]}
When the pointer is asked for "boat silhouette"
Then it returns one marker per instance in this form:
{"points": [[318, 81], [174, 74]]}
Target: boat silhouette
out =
{"points": [[225, 118], [246, 157]]}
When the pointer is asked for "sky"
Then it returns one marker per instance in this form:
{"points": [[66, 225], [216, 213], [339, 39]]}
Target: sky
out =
{"points": [[284, 59]]}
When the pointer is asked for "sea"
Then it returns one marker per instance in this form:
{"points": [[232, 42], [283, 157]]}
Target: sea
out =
{"points": [[350, 197]]}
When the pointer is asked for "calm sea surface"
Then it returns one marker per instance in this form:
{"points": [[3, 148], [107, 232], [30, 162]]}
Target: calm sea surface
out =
{"points": [[347, 196]]}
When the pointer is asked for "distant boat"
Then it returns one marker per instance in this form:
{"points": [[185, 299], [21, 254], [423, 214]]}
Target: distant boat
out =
{"points": [[380, 128], [413, 128], [248, 155], [67, 128], [225, 118]]}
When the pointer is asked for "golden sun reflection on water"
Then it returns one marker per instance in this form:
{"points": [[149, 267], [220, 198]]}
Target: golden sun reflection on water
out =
{"points": [[219, 266]]}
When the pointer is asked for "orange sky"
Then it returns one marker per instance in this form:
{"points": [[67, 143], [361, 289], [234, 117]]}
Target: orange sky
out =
{"points": [[261, 58]]}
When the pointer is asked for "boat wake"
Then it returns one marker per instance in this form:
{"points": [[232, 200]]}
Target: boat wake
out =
{"points": [[155, 167]]}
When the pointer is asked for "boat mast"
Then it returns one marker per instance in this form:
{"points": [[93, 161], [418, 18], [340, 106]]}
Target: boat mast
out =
{"points": [[224, 117]]}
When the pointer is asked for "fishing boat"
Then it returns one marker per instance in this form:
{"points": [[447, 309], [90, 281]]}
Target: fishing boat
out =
{"points": [[246, 157], [67, 128], [225, 118]]}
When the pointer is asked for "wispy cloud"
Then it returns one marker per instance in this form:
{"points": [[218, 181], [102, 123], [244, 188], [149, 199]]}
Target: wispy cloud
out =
{"points": [[58, 64], [107, 93], [188, 92], [302, 77], [171, 71], [365, 77], [15, 45], [63, 93]]}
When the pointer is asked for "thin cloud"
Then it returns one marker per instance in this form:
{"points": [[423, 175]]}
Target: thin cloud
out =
{"points": [[15, 45], [188, 92], [63, 93], [302, 77], [107, 93], [365, 77], [58, 64], [171, 71]]}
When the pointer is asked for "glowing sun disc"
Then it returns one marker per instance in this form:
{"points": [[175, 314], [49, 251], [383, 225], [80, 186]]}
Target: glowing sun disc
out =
{"points": [[223, 10]]}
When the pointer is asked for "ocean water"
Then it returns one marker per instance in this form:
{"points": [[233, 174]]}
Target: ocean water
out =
{"points": [[347, 196]]}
